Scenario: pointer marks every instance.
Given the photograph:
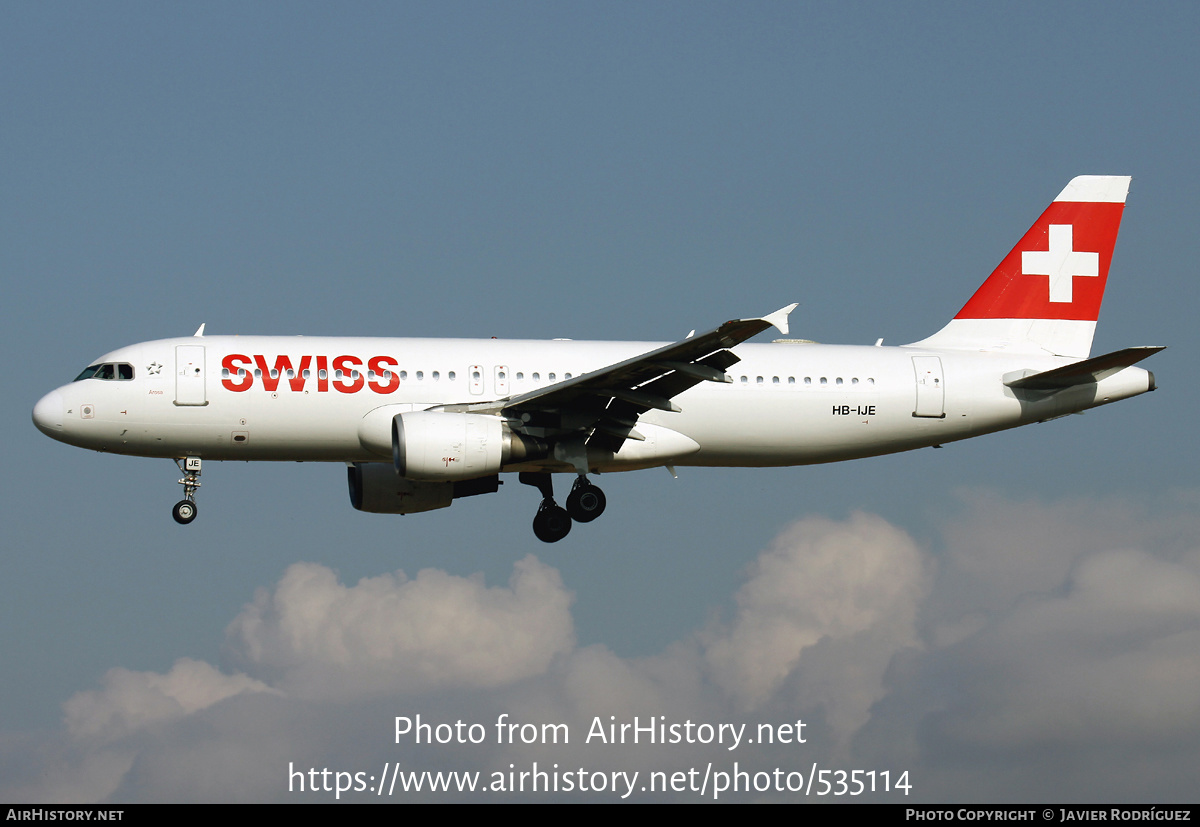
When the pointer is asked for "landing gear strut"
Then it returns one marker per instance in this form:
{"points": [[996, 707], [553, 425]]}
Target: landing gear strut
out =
{"points": [[185, 510], [553, 522]]}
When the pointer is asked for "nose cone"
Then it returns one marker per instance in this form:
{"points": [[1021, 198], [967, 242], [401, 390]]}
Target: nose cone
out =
{"points": [[48, 414]]}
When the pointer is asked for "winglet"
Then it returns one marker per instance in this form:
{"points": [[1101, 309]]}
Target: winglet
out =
{"points": [[199, 332], [779, 319]]}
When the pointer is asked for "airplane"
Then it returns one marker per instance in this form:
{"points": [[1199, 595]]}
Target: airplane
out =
{"points": [[423, 422]]}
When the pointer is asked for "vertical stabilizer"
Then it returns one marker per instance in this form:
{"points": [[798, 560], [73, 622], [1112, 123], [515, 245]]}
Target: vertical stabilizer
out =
{"points": [[1045, 296]]}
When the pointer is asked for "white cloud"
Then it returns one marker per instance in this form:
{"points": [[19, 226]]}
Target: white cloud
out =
{"points": [[132, 701], [1114, 658], [316, 638], [855, 585], [1078, 680]]}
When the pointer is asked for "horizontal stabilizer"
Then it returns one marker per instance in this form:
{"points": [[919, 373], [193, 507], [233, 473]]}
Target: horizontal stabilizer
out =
{"points": [[1087, 372]]}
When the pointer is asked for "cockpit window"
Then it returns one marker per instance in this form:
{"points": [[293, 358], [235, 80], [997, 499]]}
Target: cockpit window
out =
{"points": [[121, 370]]}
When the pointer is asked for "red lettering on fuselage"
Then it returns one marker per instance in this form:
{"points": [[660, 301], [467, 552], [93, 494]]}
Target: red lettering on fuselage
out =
{"points": [[346, 372], [283, 365], [322, 374], [380, 365], [240, 379], [351, 381]]}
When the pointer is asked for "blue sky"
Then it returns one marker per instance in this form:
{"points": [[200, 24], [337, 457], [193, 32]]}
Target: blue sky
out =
{"points": [[608, 171]]}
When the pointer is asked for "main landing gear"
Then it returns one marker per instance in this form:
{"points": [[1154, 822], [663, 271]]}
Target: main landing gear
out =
{"points": [[185, 510], [585, 502], [553, 522]]}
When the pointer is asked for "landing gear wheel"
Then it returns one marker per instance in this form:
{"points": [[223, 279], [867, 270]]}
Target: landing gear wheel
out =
{"points": [[184, 512], [552, 522], [585, 502]]}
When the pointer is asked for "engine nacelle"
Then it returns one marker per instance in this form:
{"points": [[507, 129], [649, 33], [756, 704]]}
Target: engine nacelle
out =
{"points": [[436, 446], [375, 487]]}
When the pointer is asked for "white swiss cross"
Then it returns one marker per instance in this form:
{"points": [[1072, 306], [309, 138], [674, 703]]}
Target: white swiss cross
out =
{"points": [[1061, 263]]}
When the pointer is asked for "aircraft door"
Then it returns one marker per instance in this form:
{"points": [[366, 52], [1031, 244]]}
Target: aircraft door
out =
{"points": [[476, 383], [189, 375], [501, 380], [931, 392]]}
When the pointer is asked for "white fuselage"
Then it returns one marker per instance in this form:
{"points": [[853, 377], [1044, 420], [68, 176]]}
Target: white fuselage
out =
{"points": [[332, 399]]}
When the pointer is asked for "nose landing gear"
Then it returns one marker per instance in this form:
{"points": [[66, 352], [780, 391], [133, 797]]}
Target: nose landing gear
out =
{"points": [[184, 511]]}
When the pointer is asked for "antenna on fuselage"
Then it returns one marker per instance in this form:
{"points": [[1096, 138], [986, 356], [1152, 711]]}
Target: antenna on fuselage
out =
{"points": [[199, 332]]}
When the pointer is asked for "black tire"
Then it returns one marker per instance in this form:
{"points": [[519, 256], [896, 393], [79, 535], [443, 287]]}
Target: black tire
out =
{"points": [[585, 503], [551, 523], [184, 512]]}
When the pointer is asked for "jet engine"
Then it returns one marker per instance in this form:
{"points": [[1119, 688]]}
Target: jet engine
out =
{"points": [[436, 446], [375, 487]]}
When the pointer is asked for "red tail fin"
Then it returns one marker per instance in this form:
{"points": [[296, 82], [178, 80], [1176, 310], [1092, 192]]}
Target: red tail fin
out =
{"points": [[1045, 296]]}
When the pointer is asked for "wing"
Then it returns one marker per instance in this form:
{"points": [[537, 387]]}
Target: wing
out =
{"points": [[604, 405]]}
